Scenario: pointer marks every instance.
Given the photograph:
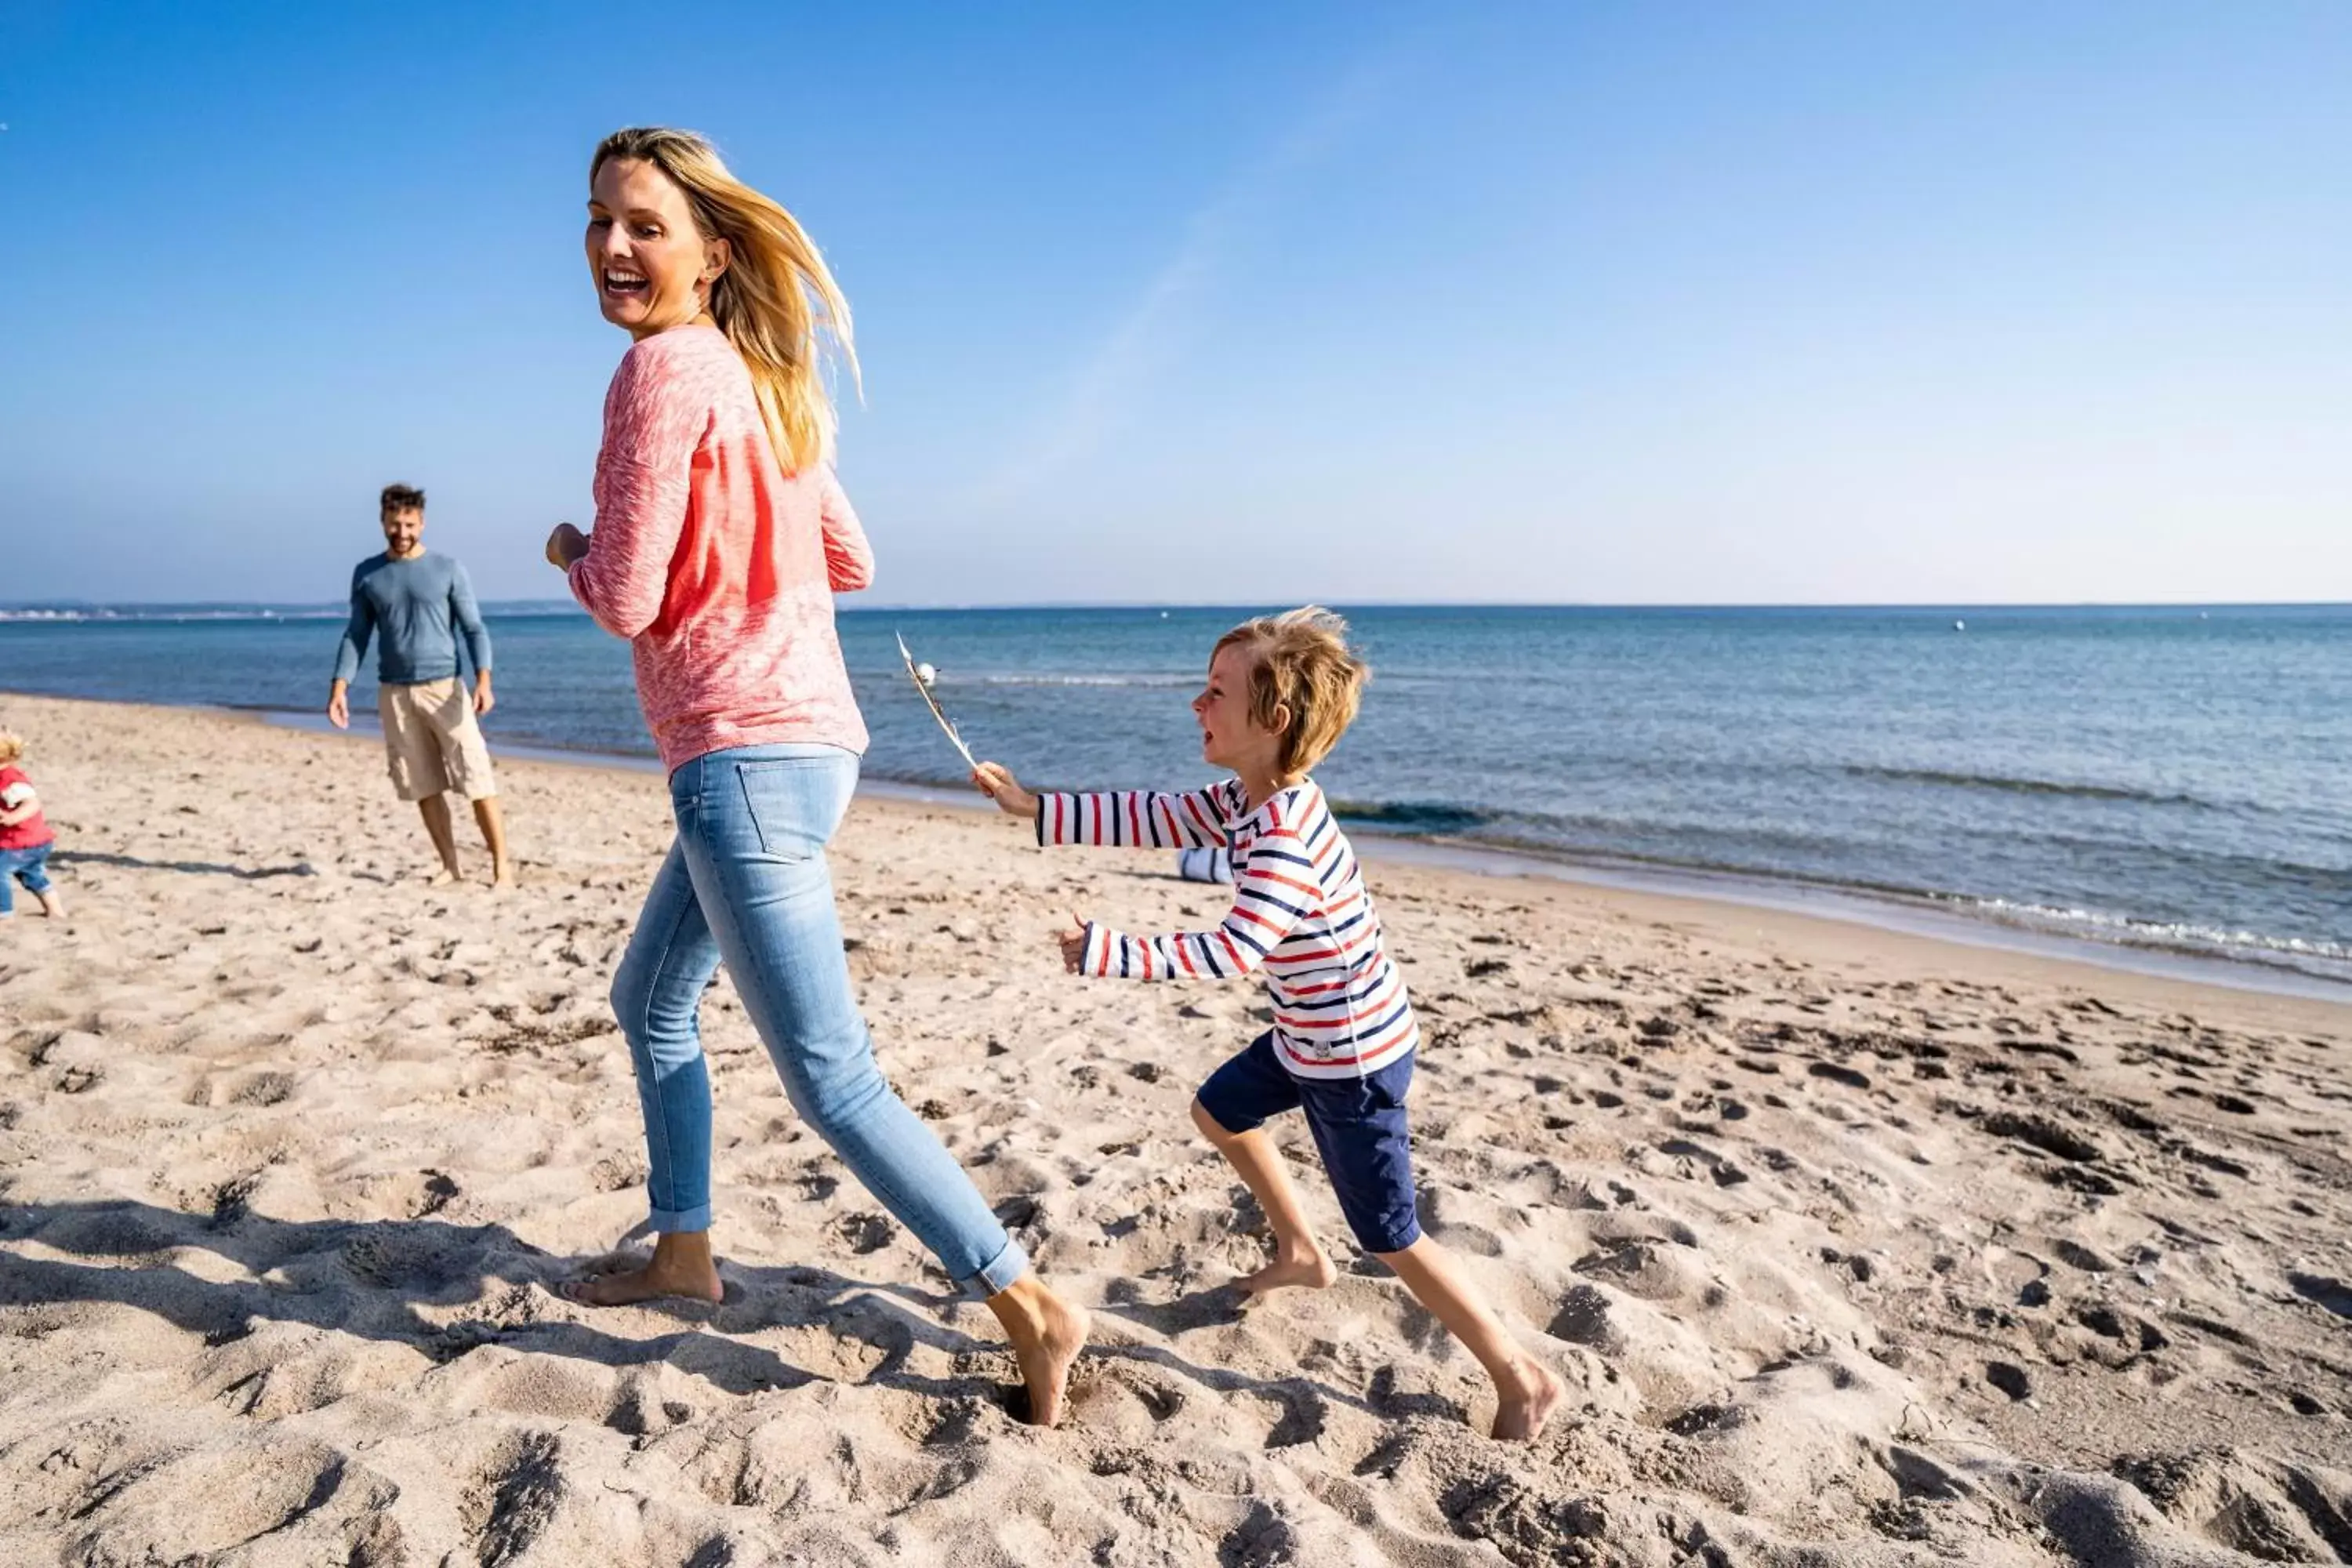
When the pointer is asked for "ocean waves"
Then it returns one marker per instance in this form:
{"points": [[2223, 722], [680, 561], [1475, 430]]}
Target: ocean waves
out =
{"points": [[2008, 784], [1149, 680], [2183, 936]]}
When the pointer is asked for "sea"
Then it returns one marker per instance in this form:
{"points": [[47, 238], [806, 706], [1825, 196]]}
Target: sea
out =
{"points": [[2157, 782]]}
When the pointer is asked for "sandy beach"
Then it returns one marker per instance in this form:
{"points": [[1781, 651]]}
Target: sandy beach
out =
{"points": [[1856, 1247]]}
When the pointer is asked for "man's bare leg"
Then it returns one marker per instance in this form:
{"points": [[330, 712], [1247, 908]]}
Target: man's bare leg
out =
{"points": [[1299, 1258], [435, 808], [1526, 1389], [494, 838]]}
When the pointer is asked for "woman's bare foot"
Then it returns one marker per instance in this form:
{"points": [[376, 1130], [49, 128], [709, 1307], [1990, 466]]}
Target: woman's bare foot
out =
{"points": [[1307, 1270], [681, 1265], [502, 876], [1520, 1417], [1047, 1333], [442, 878]]}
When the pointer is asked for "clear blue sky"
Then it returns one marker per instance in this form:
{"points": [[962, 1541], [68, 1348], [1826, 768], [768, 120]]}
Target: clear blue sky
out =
{"points": [[1588, 303]]}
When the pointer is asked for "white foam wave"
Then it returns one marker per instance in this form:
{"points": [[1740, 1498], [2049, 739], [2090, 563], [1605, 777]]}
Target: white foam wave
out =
{"points": [[2167, 934], [1141, 679]]}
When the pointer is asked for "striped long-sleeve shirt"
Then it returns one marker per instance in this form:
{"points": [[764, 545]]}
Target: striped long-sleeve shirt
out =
{"points": [[1300, 915]]}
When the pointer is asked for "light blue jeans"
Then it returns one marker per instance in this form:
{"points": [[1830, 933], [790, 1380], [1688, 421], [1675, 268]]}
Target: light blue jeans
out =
{"points": [[746, 882], [24, 865]]}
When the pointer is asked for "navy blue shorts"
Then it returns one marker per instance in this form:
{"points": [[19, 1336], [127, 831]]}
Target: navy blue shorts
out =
{"points": [[1359, 1127]]}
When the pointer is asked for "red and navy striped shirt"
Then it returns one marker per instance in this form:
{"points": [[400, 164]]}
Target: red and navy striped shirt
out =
{"points": [[1300, 913]]}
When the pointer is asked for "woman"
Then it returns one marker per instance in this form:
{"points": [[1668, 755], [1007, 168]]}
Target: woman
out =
{"points": [[721, 534]]}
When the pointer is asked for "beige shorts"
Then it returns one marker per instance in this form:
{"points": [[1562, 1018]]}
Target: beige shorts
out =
{"points": [[432, 742]]}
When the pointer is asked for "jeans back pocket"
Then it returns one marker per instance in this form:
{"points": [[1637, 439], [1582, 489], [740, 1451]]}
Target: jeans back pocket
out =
{"points": [[793, 805]]}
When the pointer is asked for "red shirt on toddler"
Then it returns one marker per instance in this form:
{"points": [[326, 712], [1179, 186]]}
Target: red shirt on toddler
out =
{"points": [[33, 831]]}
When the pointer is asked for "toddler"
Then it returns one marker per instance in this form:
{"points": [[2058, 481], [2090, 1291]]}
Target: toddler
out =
{"points": [[24, 837]]}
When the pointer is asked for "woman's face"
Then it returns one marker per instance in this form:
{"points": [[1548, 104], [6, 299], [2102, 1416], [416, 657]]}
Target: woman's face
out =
{"points": [[651, 268]]}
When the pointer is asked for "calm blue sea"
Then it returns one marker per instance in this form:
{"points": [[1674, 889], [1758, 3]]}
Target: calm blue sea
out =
{"points": [[2166, 777]]}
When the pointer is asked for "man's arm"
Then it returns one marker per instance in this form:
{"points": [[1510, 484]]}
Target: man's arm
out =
{"points": [[349, 652], [468, 618]]}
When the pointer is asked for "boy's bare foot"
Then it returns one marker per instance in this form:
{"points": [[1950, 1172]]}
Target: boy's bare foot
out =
{"points": [[52, 906], [1307, 1270], [1047, 1333], [1520, 1417], [681, 1265]]}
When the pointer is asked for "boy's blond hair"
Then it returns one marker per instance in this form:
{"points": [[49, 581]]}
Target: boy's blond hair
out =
{"points": [[11, 746], [1304, 663]]}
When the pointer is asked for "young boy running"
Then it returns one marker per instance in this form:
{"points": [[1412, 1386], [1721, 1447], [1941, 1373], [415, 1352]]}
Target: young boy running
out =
{"points": [[1281, 691]]}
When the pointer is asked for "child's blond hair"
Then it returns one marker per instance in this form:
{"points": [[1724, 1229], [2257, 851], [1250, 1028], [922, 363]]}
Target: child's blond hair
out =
{"points": [[1304, 663], [11, 746]]}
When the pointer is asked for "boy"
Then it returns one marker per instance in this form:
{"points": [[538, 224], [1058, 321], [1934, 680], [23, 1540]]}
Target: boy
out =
{"points": [[26, 837], [1281, 691]]}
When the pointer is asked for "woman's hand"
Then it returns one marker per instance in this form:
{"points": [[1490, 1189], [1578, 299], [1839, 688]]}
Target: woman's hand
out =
{"points": [[565, 545], [1074, 946], [996, 781]]}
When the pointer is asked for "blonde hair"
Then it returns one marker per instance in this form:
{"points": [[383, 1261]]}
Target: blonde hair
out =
{"points": [[11, 746], [776, 301], [1304, 663]]}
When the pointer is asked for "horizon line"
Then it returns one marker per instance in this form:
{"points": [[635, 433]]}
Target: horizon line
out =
{"points": [[909, 606]]}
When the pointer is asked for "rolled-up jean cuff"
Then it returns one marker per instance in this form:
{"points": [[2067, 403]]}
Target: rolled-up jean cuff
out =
{"points": [[1000, 1271], [668, 1222]]}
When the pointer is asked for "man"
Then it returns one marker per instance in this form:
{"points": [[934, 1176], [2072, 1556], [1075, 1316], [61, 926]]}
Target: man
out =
{"points": [[420, 602]]}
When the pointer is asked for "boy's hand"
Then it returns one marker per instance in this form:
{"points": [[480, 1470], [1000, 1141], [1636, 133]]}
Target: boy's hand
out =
{"points": [[996, 781], [1074, 946]]}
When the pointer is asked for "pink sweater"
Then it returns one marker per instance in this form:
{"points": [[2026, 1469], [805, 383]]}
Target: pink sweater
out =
{"points": [[718, 567]]}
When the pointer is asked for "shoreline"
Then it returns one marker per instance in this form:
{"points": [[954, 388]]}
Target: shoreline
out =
{"points": [[1918, 917], [1722, 897], [2222, 890]]}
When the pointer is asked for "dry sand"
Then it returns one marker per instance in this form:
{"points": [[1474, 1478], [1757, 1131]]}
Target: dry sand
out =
{"points": [[1855, 1248]]}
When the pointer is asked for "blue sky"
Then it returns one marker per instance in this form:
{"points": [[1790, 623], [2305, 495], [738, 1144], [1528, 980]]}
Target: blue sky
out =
{"points": [[1615, 303]]}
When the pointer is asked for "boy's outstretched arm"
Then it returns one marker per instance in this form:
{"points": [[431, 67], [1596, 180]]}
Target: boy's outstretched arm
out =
{"points": [[1132, 819], [1273, 893]]}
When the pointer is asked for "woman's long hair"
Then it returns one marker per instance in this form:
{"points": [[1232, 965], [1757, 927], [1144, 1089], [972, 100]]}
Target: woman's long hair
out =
{"points": [[776, 301]]}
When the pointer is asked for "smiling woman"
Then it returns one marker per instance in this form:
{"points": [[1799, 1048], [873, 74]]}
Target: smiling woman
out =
{"points": [[672, 235], [721, 536]]}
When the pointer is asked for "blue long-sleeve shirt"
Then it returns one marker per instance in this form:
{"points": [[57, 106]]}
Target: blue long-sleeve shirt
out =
{"points": [[420, 606]]}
